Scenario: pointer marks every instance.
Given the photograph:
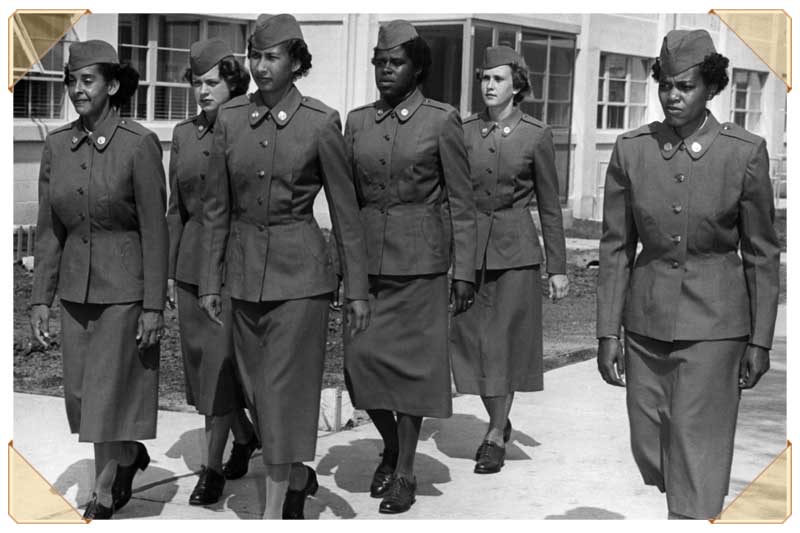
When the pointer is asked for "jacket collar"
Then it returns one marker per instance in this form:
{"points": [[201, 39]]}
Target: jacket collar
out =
{"points": [[506, 126], [102, 134], [202, 125], [696, 145], [404, 109], [283, 111]]}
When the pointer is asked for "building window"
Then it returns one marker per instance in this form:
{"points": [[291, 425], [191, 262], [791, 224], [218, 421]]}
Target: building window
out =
{"points": [[550, 59], [41, 92], [158, 47], [748, 86], [621, 91]]}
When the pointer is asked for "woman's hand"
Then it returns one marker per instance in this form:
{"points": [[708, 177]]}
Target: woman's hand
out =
{"points": [[462, 294], [611, 361], [754, 364], [40, 324], [357, 315], [150, 328], [171, 293], [212, 305], [559, 286]]}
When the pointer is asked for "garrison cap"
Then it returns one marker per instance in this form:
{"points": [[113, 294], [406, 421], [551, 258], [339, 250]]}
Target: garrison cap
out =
{"points": [[85, 53], [494, 56], [203, 55], [683, 49], [395, 33], [271, 30]]}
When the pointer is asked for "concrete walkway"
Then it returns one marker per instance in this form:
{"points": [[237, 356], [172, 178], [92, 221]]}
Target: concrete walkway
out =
{"points": [[569, 457]]}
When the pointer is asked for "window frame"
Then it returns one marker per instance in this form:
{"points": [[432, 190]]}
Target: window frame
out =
{"points": [[54, 77], [603, 101], [748, 110]]}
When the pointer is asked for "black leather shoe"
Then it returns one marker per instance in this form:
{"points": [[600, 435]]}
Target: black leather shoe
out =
{"points": [[96, 511], [296, 499], [491, 458], [382, 478], [122, 488], [399, 497], [208, 489], [506, 438], [237, 464]]}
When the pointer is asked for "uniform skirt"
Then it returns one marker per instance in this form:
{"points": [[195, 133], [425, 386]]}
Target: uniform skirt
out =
{"points": [[496, 344], [280, 351], [683, 400], [110, 387], [208, 364], [400, 361]]}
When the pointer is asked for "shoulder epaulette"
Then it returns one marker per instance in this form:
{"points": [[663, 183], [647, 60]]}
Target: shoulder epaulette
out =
{"points": [[64, 127], [242, 99], [734, 130], [316, 105], [370, 105], [471, 118], [437, 104], [531, 120], [647, 129], [133, 126], [185, 121]]}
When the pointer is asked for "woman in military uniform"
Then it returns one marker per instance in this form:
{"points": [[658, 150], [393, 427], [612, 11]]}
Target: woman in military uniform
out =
{"points": [[497, 344], [272, 152], [211, 381], [699, 301], [101, 244], [413, 187]]}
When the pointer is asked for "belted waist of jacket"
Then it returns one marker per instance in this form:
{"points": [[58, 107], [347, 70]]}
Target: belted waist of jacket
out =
{"points": [[278, 219], [407, 239], [488, 204]]}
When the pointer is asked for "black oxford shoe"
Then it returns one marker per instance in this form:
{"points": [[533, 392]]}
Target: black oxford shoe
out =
{"points": [[96, 511], [506, 437], [208, 489], [400, 496], [295, 500], [239, 461], [382, 477], [491, 458], [122, 488]]}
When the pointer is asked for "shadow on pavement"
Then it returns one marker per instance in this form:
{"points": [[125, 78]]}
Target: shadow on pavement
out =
{"points": [[586, 513], [80, 474], [190, 446], [460, 435], [352, 466], [328, 499]]}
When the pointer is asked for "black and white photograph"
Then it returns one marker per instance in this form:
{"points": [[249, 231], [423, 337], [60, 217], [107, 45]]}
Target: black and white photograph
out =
{"points": [[425, 265]]}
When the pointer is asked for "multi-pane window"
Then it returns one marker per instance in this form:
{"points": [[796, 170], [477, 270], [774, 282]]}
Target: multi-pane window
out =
{"points": [[621, 91], [158, 47], [747, 88], [41, 92], [550, 59]]}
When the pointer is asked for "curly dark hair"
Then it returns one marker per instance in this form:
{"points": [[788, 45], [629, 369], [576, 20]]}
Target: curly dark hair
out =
{"points": [[520, 79], [419, 53], [231, 72], [298, 51], [126, 75], [713, 70]]}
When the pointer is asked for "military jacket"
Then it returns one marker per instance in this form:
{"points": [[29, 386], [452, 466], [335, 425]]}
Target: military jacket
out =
{"points": [[703, 211], [101, 234], [188, 165], [511, 163], [412, 179], [266, 168]]}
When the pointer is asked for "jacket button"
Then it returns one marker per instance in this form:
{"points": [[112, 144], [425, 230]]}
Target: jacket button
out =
{"points": [[492, 150], [82, 216], [387, 137], [382, 185], [202, 177], [680, 178], [260, 200], [261, 173], [206, 152], [84, 165], [488, 170], [382, 160], [85, 240], [677, 208], [682, 147], [675, 264], [676, 239], [488, 193], [265, 142], [80, 190], [261, 227]]}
